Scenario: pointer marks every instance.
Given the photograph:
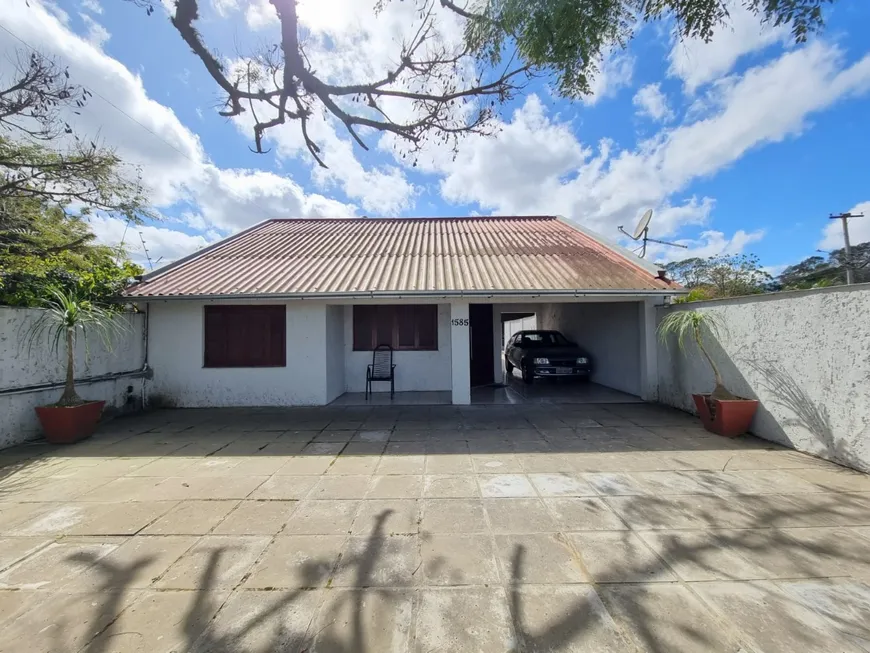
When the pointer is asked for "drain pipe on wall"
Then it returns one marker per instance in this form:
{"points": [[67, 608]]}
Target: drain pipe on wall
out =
{"points": [[148, 373]]}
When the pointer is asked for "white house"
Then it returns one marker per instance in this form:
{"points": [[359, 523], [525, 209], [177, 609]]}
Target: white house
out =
{"points": [[287, 312]]}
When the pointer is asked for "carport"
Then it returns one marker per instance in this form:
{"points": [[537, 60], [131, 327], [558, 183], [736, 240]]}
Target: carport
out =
{"points": [[618, 333]]}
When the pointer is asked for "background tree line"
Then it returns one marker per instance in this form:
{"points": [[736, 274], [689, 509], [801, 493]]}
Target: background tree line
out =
{"points": [[735, 275], [51, 181]]}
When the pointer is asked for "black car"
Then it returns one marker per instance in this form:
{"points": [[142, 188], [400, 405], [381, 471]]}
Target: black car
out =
{"points": [[545, 353]]}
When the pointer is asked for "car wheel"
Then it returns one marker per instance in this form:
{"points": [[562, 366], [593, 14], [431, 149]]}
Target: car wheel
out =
{"points": [[508, 366], [528, 377]]}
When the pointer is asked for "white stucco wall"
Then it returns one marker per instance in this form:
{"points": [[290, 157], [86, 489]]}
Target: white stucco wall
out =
{"points": [[22, 366], [335, 353], [415, 370], [510, 327], [176, 355], [804, 355], [609, 331]]}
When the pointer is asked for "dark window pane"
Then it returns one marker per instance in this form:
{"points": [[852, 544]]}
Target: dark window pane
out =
{"points": [[406, 327], [363, 327], [402, 326], [427, 326], [385, 325], [245, 336]]}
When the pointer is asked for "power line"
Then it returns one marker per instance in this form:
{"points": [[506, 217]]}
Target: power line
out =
{"points": [[109, 102], [266, 212]]}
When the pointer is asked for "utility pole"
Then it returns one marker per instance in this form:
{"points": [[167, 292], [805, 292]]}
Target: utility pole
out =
{"points": [[850, 277]]}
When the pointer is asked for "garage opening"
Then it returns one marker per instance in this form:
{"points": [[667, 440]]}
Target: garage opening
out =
{"points": [[608, 334]]}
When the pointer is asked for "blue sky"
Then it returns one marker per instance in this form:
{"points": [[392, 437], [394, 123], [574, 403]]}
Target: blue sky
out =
{"points": [[745, 144]]}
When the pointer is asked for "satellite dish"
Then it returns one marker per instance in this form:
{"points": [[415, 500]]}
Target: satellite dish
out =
{"points": [[641, 231], [643, 224]]}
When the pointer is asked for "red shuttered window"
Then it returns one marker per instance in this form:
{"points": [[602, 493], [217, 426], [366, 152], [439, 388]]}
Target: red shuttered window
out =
{"points": [[245, 336], [409, 327]]}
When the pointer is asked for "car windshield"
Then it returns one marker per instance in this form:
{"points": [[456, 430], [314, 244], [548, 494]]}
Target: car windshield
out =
{"points": [[543, 339]]}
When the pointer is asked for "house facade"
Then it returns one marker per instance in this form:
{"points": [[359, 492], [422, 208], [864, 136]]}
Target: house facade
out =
{"points": [[288, 311]]}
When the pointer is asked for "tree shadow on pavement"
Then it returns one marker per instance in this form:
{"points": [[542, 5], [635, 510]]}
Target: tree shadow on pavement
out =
{"points": [[743, 527]]}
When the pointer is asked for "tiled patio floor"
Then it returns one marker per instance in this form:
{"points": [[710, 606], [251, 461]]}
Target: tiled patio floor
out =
{"points": [[373, 530]]}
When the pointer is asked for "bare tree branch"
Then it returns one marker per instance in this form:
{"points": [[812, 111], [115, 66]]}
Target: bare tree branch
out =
{"points": [[428, 79], [30, 104]]}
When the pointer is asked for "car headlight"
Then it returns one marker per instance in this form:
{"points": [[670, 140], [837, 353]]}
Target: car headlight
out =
{"points": [[582, 361], [542, 361]]}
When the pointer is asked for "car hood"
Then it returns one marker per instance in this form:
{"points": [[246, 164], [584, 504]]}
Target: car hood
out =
{"points": [[555, 352]]}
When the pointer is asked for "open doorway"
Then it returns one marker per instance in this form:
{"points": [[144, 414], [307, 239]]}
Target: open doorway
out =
{"points": [[482, 344]]}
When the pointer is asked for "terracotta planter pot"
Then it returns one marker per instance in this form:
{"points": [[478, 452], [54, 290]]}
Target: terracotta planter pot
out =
{"points": [[729, 417], [69, 424]]}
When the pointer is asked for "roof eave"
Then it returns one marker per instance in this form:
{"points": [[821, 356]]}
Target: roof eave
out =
{"points": [[397, 294]]}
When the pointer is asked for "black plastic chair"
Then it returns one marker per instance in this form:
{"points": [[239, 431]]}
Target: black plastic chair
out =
{"points": [[381, 369]]}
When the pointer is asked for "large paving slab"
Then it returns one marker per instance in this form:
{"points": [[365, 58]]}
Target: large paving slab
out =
{"points": [[558, 529]]}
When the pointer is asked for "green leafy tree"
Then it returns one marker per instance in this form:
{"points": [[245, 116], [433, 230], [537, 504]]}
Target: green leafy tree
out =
{"points": [[441, 90], [51, 181], [56, 251], [720, 276], [42, 158], [821, 272]]}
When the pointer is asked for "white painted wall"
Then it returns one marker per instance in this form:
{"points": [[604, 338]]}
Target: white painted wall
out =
{"points": [[609, 331], [460, 353], [335, 352], [22, 366], [176, 355], [415, 370], [510, 327], [804, 355]]}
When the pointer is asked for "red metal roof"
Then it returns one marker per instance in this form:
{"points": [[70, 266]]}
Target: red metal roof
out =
{"points": [[411, 255]]}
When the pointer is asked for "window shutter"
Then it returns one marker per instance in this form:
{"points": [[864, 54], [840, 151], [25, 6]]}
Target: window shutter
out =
{"points": [[363, 328], [427, 326], [245, 336]]}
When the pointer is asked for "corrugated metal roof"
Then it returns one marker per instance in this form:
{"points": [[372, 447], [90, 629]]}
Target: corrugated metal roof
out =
{"points": [[413, 255]]}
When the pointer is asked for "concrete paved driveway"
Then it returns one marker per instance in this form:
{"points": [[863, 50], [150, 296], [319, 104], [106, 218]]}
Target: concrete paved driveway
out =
{"points": [[373, 530]]}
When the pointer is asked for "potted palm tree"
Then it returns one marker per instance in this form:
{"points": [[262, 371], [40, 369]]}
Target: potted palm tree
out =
{"points": [[65, 317], [721, 411]]}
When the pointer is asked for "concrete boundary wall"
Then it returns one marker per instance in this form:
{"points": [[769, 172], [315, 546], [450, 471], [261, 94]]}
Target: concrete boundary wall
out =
{"points": [[805, 355], [23, 366]]}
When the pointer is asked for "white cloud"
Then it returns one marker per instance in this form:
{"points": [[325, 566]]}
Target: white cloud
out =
{"points": [[775, 270], [651, 102], [859, 229], [260, 15], [668, 219], [235, 199], [615, 72], [526, 160], [381, 190], [708, 243], [225, 7], [697, 62], [92, 5], [537, 165], [347, 41], [172, 161], [96, 34], [164, 245]]}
